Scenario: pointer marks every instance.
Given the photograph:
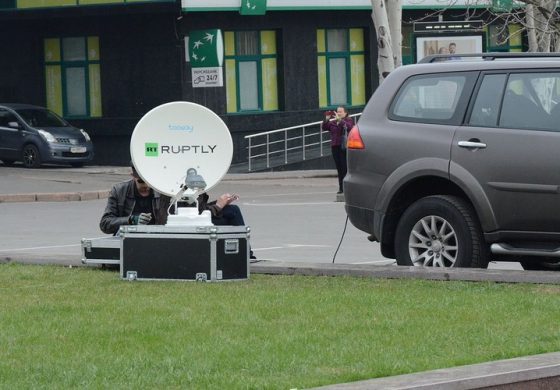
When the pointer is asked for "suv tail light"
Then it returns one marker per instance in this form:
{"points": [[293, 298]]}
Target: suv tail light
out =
{"points": [[354, 139]]}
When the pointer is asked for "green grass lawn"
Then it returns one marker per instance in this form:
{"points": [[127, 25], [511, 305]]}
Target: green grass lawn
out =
{"points": [[86, 328]]}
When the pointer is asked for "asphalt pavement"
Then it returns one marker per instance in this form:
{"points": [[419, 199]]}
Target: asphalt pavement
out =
{"points": [[24, 191]]}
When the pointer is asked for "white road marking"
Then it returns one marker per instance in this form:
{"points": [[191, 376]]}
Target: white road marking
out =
{"points": [[291, 204], [292, 246], [39, 247], [292, 194]]}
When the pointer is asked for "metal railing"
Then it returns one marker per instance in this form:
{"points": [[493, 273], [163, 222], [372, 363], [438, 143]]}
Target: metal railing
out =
{"points": [[295, 143]]}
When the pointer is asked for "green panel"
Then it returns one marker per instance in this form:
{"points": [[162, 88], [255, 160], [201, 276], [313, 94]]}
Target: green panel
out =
{"points": [[253, 7], [322, 72], [356, 39], [52, 50], [95, 90], [93, 48], [44, 3], [206, 48], [358, 80], [502, 5], [231, 86], [64, 3], [88, 2], [268, 42], [269, 84], [53, 77], [229, 43], [321, 48]]}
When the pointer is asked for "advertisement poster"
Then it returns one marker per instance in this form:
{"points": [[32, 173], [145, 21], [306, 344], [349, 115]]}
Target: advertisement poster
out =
{"points": [[454, 45]]}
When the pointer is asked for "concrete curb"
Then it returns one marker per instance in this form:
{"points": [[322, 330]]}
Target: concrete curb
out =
{"points": [[396, 272], [529, 372], [54, 197]]}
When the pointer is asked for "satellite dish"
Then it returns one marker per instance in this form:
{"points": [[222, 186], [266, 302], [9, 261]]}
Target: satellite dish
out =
{"points": [[178, 136]]}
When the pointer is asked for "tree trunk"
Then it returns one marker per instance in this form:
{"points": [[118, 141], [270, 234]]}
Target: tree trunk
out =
{"points": [[531, 32], [385, 57], [540, 23], [394, 16]]}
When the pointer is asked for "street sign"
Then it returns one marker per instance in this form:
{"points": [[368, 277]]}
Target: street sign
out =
{"points": [[207, 77]]}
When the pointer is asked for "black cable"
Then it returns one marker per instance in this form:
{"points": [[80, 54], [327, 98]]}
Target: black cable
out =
{"points": [[341, 238]]}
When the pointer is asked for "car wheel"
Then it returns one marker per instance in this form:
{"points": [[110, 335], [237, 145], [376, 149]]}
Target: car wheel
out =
{"points": [[31, 156], [440, 231], [547, 264]]}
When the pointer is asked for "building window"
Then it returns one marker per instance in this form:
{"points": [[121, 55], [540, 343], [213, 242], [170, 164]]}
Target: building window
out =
{"points": [[502, 37], [251, 71], [72, 73], [341, 67]]}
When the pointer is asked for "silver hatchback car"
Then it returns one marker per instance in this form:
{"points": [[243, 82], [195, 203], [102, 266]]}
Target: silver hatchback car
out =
{"points": [[36, 135], [455, 163]]}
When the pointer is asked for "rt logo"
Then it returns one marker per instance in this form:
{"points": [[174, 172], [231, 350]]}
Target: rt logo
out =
{"points": [[151, 149]]}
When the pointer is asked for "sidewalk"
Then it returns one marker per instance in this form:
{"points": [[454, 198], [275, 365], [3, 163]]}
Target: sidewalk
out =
{"points": [[61, 184]]}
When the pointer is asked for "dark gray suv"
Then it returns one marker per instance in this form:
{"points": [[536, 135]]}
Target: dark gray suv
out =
{"points": [[456, 163], [35, 135]]}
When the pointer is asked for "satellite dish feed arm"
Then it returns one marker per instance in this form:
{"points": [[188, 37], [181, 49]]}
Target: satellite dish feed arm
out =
{"points": [[193, 181]]}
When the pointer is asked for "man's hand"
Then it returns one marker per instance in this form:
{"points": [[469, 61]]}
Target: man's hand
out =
{"points": [[141, 219], [226, 199], [144, 218]]}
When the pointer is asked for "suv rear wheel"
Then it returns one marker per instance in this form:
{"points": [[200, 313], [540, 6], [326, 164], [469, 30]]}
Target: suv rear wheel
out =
{"points": [[440, 231]]}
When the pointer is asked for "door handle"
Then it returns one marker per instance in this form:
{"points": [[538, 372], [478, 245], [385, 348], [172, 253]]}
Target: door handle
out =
{"points": [[472, 144]]}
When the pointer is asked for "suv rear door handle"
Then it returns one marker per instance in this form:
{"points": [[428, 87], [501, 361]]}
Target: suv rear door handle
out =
{"points": [[472, 144]]}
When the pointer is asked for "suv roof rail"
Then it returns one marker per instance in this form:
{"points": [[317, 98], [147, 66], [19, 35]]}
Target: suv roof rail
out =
{"points": [[485, 56]]}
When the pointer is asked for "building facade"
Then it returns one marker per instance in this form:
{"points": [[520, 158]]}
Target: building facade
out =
{"points": [[102, 64]]}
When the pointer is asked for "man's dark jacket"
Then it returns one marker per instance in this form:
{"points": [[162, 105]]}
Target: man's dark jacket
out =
{"points": [[121, 201]]}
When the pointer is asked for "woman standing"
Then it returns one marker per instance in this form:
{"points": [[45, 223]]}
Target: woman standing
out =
{"points": [[338, 124]]}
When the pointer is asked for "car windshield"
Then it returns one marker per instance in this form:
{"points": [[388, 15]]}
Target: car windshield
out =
{"points": [[41, 117]]}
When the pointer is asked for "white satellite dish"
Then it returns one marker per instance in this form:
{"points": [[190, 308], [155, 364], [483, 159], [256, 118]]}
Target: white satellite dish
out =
{"points": [[178, 136]]}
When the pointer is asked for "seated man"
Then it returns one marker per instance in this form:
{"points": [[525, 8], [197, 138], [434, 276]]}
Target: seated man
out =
{"points": [[134, 202]]}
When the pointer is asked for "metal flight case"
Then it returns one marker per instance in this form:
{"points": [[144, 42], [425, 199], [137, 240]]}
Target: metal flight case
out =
{"points": [[101, 250], [195, 253]]}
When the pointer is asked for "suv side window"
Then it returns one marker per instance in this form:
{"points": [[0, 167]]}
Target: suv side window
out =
{"points": [[431, 98], [487, 104], [531, 101]]}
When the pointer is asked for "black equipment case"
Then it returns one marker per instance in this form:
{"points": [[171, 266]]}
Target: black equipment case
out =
{"points": [[198, 253], [101, 250]]}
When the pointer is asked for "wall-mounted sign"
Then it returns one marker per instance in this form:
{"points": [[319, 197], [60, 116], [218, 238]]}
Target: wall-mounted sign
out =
{"points": [[431, 27], [207, 77], [502, 5], [253, 7], [206, 48]]}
